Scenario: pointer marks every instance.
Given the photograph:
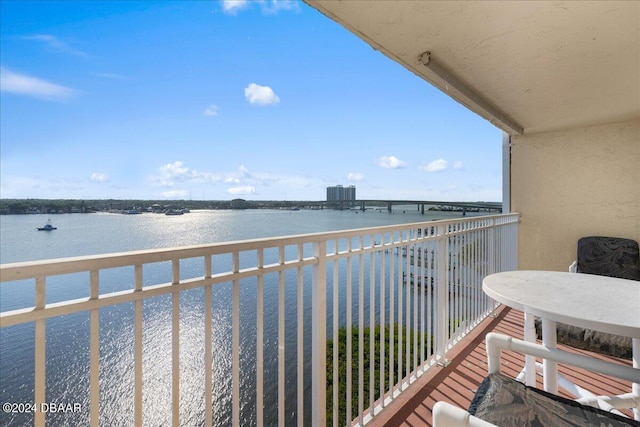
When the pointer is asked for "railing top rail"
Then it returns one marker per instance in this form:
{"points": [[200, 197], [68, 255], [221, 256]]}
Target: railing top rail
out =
{"points": [[50, 267]]}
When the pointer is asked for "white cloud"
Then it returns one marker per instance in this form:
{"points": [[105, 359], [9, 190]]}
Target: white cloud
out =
{"points": [[260, 95], [171, 173], [434, 166], [21, 84], [176, 170], [55, 44], [232, 7], [177, 175], [355, 177], [458, 165], [246, 189], [212, 110], [268, 7], [275, 6], [99, 177], [245, 177], [391, 162]]}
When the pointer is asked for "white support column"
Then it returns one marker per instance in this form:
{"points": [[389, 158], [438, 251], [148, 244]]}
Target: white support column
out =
{"points": [[506, 172], [530, 361]]}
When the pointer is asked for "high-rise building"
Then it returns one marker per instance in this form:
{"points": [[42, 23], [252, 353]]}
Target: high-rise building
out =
{"points": [[340, 196]]}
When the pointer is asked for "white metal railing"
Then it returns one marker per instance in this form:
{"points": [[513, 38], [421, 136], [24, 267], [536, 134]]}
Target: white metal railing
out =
{"points": [[257, 315]]}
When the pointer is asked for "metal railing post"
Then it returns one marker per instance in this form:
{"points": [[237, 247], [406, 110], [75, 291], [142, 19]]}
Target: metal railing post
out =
{"points": [[319, 336], [491, 256], [40, 348], [442, 292]]}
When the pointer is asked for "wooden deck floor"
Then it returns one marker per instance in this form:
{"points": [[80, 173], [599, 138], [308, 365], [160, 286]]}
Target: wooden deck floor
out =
{"points": [[458, 382]]}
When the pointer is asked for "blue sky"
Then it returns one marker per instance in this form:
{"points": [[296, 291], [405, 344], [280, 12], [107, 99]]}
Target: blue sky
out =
{"points": [[263, 100]]}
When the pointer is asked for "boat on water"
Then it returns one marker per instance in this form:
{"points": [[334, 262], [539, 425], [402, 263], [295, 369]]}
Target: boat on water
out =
{"points": [[47, 227]]}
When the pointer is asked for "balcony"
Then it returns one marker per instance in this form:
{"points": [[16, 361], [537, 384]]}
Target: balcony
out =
{"points": [[238, 333], [570, 162]]}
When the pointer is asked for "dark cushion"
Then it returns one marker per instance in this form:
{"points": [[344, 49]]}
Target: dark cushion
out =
{"points": [[506, 402], [609, 256], [604, 256], [588, 339]]}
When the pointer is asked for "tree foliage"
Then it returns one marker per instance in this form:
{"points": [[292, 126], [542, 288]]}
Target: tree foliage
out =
{"points": [[355, 355]]}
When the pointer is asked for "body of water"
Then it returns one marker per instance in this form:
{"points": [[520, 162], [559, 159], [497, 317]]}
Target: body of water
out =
{"points": [[68, 336]]}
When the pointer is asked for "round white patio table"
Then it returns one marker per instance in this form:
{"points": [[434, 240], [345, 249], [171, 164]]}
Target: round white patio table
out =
{"points": [[590, 301]]}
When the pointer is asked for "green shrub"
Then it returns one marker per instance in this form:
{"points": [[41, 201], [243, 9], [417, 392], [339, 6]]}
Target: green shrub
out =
{"points": [[342, 366]]}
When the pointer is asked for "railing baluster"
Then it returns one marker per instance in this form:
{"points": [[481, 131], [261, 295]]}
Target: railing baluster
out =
{"points": [[349, 416], [235, 315], [208, 346], [137, 400], [417, 282], [360, 332], [336, 343], [372, 322], [300, 327], [175, 352], [450, 287], [442, 323], [423, 312], [94, 350], [260, 343], [319, 335], [457, 287], [383, 280], [407, 290], [483, 267], [401, 276], [281, 339], [41, 352], [473, 270], [392, 276], [465, 265]]}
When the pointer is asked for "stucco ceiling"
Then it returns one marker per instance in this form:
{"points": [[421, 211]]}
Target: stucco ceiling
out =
{"points": [[547, 65]]}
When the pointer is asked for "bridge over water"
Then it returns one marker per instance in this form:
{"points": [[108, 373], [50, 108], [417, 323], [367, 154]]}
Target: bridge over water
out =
{"points": [[439, 205], [363, 204]]}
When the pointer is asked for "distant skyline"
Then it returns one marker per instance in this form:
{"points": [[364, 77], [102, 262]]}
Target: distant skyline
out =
{"points": [[204, 100]]}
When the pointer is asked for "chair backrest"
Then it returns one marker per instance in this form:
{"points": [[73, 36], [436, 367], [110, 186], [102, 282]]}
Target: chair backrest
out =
{"points": [[609, 256]]}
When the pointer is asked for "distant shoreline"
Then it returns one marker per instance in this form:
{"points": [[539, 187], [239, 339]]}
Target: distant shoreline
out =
{"points": [[62, 206]]}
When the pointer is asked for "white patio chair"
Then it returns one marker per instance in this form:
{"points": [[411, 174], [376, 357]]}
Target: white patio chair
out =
{"points": [[503, 401]]}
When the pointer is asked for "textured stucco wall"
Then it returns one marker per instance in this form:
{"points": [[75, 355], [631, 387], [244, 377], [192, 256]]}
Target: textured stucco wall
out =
{"points": [[571, 184]]}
